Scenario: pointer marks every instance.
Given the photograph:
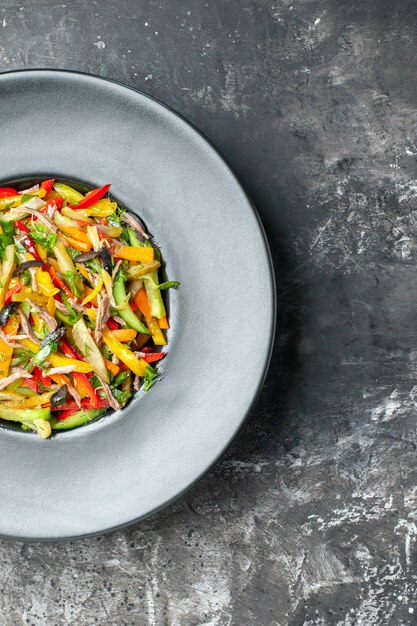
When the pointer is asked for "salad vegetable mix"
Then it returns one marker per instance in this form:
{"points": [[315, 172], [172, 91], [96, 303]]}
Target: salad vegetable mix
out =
{"points": [[82, 316]]}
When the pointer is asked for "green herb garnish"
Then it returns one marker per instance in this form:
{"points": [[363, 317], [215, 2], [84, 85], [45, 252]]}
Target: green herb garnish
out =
{"points": [[149, 378], [43, 237]]}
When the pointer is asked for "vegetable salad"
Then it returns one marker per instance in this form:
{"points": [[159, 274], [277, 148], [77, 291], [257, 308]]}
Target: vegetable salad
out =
{"points": [[82, 316]]}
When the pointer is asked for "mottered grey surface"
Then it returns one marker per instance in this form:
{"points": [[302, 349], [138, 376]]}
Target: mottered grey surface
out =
{"points": [[310, 518]]}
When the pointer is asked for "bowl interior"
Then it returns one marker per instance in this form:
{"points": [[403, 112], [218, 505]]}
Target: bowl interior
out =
{"points": [[83, 187]]}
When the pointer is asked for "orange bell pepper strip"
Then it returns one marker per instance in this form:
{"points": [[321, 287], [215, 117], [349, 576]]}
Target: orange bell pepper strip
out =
{"points": [[163, 323], [112, 367], [75, 233], [60, 379], [130, 253], [123, 334], [142, 302], [78, 245], [12, 325]]}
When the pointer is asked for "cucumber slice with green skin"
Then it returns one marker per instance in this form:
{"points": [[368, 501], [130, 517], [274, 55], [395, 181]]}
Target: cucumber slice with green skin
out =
{"points": [[120, 296], [78, 419], [24, 415]]}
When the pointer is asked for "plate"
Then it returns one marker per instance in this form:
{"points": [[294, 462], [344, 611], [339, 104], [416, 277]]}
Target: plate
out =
{"points": [[129, 464]]}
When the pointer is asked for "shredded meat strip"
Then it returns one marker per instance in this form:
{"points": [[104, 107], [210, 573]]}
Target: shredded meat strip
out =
{"points": [[103, 314], [134, 223], [26, 327], [61, 307], [44, 219], [18, 373], [51, 323], [112, 400]]}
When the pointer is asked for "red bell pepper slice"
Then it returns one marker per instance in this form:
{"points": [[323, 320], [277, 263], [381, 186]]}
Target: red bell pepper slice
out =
{"points": [[60, 283], [32, 383], [7, 191], [65, 414], [85, 404], [92, 197], [112, 324], [47, 184], [45, 380], [150, 357], [70, 351], [22, 226], [58, 202], [87, 389], [11, 292], [28, 241]]}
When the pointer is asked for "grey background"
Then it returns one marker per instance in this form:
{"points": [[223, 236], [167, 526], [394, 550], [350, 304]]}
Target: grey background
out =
{"points": [[310, 519]]}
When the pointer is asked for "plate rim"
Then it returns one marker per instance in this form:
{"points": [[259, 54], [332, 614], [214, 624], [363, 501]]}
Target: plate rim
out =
{"points": [[273, 303]]}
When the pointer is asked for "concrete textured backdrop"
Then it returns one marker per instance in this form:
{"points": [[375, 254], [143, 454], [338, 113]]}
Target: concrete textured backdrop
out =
{"points": [[310, 519]]}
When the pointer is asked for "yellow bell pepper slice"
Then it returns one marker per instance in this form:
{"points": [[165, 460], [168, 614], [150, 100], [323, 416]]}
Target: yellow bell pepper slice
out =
{"points": [[59, 360], [30, 403], [102, 208], [38, 322], [156, 332], [7, 266], [44, 282], [6, 352], [50, 306], [83, 271], [26, 294], [92, 313], [93, 293], [43, 252], [30, 345], [136, 365], [40, 193], [75, 215]]}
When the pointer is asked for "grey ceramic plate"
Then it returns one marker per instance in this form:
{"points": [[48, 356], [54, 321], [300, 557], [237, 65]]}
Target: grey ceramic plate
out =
{"points": [[128, 464]]}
